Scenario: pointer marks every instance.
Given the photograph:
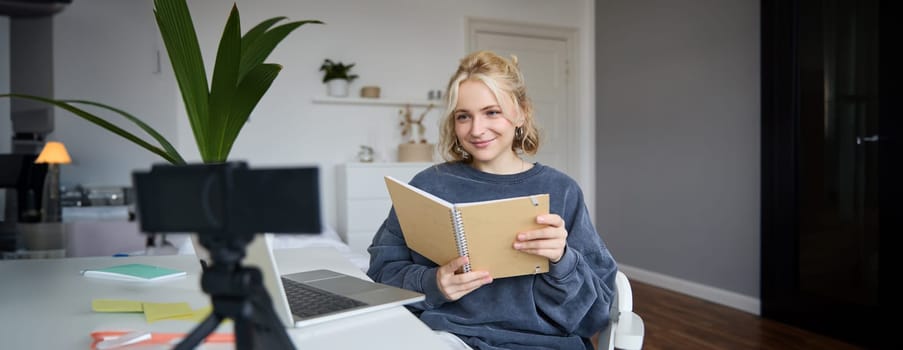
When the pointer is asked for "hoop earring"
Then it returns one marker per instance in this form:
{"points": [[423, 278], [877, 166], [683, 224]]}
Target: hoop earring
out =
{"points": [[519, 133], [460, 150]]}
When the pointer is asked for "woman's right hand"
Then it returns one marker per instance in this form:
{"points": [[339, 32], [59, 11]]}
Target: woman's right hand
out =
{"points": [[454, 286]]}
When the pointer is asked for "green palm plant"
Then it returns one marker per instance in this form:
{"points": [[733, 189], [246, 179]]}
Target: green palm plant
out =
{"points": [[216, 114]]}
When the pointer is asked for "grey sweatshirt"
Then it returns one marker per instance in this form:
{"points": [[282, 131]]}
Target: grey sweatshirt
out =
{"points": [[560, 309]]}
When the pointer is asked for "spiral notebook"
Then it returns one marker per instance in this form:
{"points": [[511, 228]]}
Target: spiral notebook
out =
{"points": [[483, 231]]}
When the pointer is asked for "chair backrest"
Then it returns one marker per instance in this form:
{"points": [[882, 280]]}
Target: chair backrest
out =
{"points": [[625, 328]]}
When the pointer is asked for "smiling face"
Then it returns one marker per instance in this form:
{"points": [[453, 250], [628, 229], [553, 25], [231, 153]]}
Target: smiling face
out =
{"points": [[483, 137], [484, 130]]}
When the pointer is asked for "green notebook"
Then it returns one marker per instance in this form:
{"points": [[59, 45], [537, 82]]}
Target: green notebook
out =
{"points": [[134, 272]]}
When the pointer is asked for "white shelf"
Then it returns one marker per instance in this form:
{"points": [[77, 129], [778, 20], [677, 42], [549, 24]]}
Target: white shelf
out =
{"points": [[376, 101]]}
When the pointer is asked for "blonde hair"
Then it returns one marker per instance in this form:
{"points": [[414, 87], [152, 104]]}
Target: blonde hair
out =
{"points": [[505, 80]]}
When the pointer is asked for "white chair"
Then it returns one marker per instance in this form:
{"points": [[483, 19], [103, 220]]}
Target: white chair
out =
{"points": [[625, 330]]}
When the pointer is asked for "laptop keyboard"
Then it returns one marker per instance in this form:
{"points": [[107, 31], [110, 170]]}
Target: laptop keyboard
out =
{"points": [[306, 301]]}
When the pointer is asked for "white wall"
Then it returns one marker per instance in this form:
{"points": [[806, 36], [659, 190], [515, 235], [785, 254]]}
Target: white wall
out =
{"points": [[105, 50], [678, 141]]}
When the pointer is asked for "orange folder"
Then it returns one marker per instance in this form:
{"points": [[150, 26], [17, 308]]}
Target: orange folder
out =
{"points": [[160, 338]]}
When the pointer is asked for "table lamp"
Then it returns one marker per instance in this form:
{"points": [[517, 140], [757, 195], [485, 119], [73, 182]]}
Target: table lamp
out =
{"points": [[53, 154]]}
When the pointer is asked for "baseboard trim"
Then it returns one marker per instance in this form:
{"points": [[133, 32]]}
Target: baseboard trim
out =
{"points": [[715, 295]]}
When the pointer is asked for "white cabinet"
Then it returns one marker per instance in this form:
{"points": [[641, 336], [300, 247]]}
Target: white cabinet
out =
{"points": [[363, 202]]}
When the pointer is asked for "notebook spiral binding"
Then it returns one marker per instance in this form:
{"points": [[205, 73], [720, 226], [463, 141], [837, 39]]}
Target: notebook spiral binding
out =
{"points": [[460, 238]]}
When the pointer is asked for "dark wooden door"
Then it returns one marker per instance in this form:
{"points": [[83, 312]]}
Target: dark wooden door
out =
{"points": [[828, 183]]}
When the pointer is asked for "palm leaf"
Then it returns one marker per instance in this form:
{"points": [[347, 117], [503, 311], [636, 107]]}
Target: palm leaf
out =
{"points": [[167, 147], [173, 158], [260, 47], [257, 31], [222, 90], [239, 81], [249, 92], [180, 38]]}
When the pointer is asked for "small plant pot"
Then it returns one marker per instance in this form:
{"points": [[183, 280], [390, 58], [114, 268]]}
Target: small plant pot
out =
{"points": [[337, 88]]}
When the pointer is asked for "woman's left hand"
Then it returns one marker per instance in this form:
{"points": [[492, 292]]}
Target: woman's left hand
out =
{"points": [[549, 241]]}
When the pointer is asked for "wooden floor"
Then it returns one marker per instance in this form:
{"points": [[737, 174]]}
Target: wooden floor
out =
{"points": [[678, 321]]}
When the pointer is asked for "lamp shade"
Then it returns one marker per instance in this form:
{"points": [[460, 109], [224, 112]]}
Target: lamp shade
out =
{"points": [[54, 153]]}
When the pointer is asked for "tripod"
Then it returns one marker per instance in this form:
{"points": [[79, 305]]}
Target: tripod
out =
{"points": [[237, 293]]}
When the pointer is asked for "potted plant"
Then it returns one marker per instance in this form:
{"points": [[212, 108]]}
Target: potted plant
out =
{"points": [[216, 110], [337, 77]]}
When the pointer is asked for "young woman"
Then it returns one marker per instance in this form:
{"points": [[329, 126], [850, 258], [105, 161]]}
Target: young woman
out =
{"points": [[489, 123]]}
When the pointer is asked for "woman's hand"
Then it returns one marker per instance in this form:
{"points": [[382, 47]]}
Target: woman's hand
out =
{"points": [[454, 286], [549, 241]]}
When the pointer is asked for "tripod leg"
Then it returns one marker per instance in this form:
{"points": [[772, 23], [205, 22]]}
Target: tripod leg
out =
{"points": [[270, 333], [200, 332], [244, 335]]}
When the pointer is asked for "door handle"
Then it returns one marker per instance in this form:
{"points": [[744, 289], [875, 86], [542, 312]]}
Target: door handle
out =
{"points": [[861, 139]]}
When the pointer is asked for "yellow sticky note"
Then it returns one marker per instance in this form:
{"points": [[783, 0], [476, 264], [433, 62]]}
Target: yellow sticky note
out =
{"points": [[164, 311], [116, 305], [201, 313], [197, 315]]}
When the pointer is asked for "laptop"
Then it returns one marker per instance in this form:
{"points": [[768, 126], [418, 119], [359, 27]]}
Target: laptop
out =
{"points": [[361, 296]]}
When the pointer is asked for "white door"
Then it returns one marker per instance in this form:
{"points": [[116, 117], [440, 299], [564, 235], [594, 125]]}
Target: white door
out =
{"points": [[544, 63]]}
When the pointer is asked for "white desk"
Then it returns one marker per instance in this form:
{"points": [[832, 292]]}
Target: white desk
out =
{"points": [[46, 304]]}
